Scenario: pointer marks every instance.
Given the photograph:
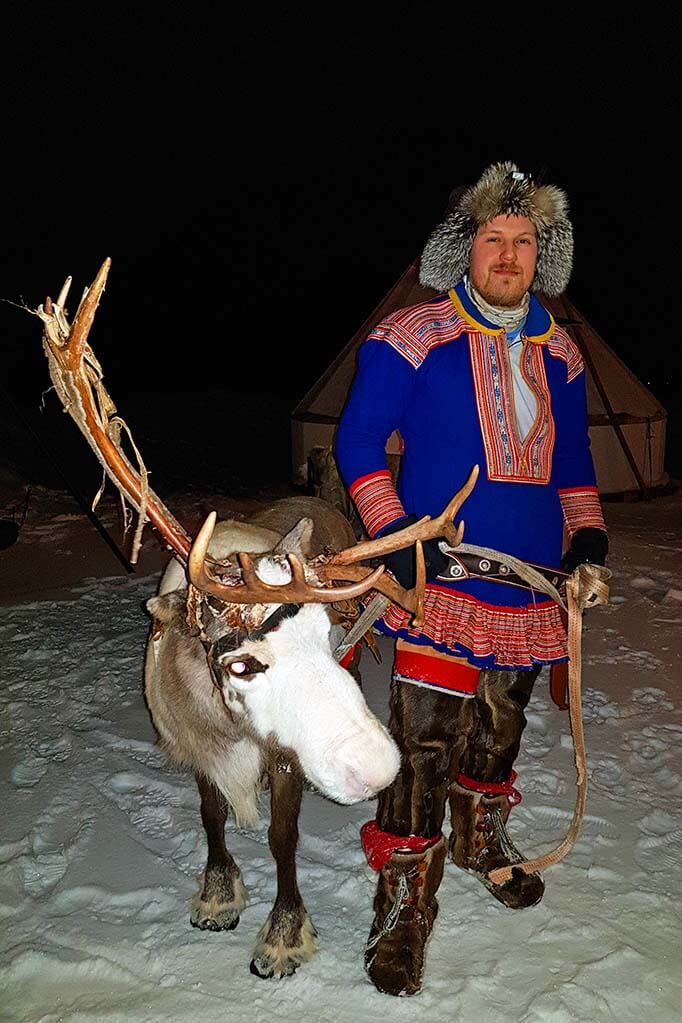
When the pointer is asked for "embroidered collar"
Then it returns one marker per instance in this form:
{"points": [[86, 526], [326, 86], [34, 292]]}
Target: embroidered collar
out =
{"points": [[539, 323]]}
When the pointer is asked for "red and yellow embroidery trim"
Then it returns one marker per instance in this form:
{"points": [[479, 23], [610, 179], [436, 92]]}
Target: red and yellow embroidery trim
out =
{"points": [[581, 509], [508, 458], [376, 499]]}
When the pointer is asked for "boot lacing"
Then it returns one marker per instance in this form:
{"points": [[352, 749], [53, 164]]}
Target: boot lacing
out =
{"points": [[492, 827], [402, 899]]}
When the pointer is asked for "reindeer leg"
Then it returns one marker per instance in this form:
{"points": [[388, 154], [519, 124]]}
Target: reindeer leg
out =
{"points": [[287, 938], [216, 907]]}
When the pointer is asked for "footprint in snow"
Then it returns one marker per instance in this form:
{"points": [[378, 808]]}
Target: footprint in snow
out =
{"points": [[60, 835], [652, 697], [658, 849]]}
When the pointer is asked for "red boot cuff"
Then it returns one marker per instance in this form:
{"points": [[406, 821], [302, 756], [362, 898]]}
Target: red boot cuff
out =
{"points": [[491, 788], [378, 846]]}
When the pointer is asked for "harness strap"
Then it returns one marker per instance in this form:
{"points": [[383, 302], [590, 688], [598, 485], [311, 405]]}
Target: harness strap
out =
{"points": [[274, 620], [465, 565], [534, 577], [586, 587]]}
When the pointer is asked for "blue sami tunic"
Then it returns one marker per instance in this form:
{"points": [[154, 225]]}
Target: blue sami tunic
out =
{"points": [[441, 375]]}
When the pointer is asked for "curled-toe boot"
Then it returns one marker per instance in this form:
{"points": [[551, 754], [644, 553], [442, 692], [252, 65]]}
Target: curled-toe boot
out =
{"points": [[479, 843]]}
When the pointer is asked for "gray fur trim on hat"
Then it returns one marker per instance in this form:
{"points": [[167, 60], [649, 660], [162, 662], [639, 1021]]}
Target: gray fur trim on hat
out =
{"points": [[502, 189]]}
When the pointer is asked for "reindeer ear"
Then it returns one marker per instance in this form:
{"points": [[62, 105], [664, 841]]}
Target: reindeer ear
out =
{"points": [[298, 540], [168, 608]]}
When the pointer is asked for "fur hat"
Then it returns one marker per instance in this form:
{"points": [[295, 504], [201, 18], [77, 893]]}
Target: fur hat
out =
{"points": [[502, 188]]}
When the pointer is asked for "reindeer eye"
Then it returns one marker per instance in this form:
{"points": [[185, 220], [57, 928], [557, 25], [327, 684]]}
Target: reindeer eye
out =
{"points": [[244, 667]]}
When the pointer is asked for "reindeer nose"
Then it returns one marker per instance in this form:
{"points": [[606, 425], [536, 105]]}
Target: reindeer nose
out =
{"points": [[368, 783], [368, 776], [357, 786]]}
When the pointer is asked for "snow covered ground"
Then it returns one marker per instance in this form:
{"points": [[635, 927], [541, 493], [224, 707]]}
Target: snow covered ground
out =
{"points": [[101, 841]]}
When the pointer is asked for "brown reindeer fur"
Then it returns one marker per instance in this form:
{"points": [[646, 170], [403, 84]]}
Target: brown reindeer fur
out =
{"points": [[202, 728], [194, 726]]}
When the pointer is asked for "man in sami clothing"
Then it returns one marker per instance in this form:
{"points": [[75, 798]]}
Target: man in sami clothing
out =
{"points": [[480, 374]]}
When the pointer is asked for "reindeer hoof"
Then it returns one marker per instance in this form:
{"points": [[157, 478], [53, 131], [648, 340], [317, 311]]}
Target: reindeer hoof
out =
{"points": [[218, 905], [224, 921], [284, 942], [267, 968]]}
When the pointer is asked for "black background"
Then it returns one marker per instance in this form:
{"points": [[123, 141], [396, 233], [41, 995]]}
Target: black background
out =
{"points": [[260, 182]]}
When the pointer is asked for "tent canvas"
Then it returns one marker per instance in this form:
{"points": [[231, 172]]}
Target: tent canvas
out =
{"points": [[618, 402]]}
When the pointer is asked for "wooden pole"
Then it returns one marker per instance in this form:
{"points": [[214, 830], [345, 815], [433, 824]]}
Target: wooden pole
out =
{"points": [[574, 326]]}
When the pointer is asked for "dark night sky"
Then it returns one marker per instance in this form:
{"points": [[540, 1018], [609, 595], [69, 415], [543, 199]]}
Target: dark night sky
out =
{"points": [[259, 193]]}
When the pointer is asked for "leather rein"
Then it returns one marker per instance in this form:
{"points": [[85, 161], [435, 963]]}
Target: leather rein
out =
{"points": [[586, 587]]}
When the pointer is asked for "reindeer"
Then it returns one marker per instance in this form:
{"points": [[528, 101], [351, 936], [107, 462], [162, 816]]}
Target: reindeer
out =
{"points": [[240, 676]]}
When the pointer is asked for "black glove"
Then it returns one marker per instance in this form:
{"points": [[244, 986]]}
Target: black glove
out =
{"points": [[589, 546], [403, 563]]}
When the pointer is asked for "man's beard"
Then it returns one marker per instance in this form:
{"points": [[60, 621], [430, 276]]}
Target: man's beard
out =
{"points": [[508, 316], [507, 295]]}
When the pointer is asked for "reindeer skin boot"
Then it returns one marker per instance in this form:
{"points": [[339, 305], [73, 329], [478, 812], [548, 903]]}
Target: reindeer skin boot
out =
{"points": [[480, 842], [483, 793], [405, 908], [405, 843]]}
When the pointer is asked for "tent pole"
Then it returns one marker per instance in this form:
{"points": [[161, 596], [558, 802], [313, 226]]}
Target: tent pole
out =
{"points": [[84, 506], [574, 326]]}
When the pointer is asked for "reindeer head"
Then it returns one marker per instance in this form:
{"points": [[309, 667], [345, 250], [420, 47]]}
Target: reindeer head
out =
{"points": [[273, 664]]}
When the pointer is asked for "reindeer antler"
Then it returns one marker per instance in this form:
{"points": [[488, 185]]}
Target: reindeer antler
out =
{"points": [[254, 591], [344, 565], [426, 529], [77, 377]]}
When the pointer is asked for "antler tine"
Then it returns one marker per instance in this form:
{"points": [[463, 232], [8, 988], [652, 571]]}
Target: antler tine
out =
{"points": [[426, 529], [248, 571], [70, 352], [196, 561], [85, 314], [254, 591], [297, 571], [444, 521], [385, 584], [63, 294], [412, 600], [77, 378], [419, 586]]}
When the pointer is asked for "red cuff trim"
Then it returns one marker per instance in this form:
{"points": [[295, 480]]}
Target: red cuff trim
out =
{"points": [[581, 509], [376, 499], [366, 479], [492, 788], [446, 674], [577, 490], [378, 846]]}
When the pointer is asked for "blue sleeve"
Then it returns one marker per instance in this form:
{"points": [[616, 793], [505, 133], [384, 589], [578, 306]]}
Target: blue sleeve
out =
{"points": [[573, 466], [374, 409]]}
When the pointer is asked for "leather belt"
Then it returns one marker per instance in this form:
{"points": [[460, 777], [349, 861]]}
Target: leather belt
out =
{"points": [[467, 566]]}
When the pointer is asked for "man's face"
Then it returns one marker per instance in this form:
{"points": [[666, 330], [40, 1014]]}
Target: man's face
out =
{"points": [[503, 258]]}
